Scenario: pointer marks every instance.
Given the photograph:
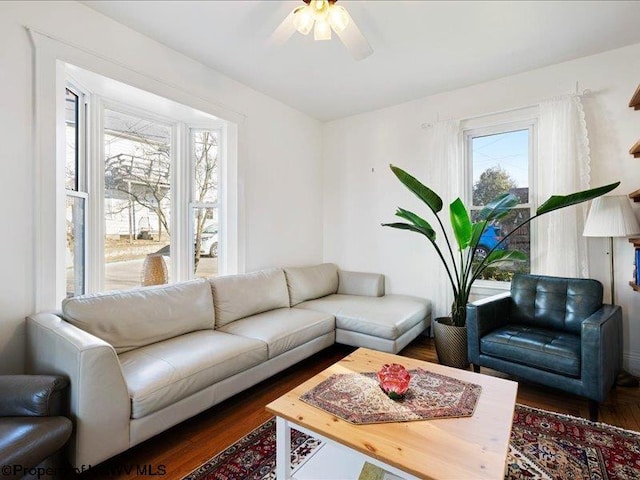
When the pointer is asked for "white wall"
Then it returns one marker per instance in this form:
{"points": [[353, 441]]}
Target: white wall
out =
{"points": [[279, 151], [361, 192]]}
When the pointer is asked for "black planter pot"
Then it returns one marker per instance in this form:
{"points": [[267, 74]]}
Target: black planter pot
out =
{"points": [[451, 343]]}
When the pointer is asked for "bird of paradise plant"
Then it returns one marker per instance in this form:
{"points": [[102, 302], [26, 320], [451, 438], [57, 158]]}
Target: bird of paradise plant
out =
{"points": [[464, 267]]}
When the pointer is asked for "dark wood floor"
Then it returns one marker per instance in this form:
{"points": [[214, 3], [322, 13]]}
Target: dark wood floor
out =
{"points": [[184, 447]]}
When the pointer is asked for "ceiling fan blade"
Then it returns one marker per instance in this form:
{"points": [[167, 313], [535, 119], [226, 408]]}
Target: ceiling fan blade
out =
{"points": [[284, 31], [355, 42]]}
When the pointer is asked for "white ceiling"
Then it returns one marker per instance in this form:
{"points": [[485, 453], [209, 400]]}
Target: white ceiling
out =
{"points": [[420, 47]]}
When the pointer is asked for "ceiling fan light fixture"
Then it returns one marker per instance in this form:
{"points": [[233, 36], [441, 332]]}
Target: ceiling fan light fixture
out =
{"points": [[322, 30], [320, 6], [304, 19], [338, 18], [323, 16]]}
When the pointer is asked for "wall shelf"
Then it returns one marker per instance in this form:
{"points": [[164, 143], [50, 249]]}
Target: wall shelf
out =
{"points": [[635, 100], [635, 104]]}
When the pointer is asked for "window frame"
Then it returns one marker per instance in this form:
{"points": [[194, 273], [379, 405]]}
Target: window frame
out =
{"points": [[98, 156], [81, 189], [525, 119], [219, 205], [79, 112]]}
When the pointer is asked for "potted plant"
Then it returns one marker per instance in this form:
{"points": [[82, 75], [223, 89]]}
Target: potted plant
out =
{"points": [[464, 266]]}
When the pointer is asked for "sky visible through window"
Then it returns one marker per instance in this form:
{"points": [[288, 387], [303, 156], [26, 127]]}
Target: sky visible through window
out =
{"points": [[509, 150]]}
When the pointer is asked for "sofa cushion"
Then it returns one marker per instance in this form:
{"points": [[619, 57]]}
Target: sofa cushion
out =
{"points": [[307, 283], [134, 318], [239, 296], [283, 329], [360, 283], [386, 317], [163, 373], [540, 348]]}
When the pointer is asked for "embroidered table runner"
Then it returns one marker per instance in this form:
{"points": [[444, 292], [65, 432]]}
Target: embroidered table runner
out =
{"points": [[358, 398]]}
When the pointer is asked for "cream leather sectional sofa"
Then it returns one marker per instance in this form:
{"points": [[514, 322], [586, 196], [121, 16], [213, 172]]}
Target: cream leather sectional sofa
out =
{"points": [[141, 361]]}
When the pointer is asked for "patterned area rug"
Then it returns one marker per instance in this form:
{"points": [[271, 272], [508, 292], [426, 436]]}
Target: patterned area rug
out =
{"points": [[547, 446], [358, 398], [544, 446], [253, 457]]}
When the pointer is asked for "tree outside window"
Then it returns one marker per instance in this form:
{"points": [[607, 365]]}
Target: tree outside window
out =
{"points": [[500, 162]]}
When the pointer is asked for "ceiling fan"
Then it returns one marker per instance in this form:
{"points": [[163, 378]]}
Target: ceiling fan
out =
{"points": [[322, 16]]}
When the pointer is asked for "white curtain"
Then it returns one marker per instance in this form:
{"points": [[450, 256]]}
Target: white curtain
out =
{"points": [[444, 167], [563, 167]]}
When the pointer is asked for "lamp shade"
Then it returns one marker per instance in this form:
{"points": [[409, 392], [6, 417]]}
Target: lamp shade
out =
{"points": [[611, 216]]}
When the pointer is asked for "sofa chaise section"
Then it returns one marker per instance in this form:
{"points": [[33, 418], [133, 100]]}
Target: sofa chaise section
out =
{"points": [[364, 315]]}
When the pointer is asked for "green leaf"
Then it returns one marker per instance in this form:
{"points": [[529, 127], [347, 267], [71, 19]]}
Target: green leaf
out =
{"points": [[499, 258], [499, 207], [417, 221], [428, 196], [412, 228], [460, 223], [556, 202], [477, 229]]}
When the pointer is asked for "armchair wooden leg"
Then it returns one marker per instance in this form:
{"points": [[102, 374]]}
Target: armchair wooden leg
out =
{"points": [[476, 368], [593, 410]]}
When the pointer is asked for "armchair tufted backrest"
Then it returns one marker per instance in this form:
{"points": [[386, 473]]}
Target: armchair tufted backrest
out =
{"points": [[554, 302]]}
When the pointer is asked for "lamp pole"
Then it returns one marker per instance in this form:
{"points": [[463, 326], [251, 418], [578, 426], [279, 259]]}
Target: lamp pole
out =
{"points": [[612, 273]]}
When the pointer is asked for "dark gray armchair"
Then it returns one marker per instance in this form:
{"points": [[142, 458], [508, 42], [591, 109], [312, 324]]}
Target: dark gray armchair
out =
{"points": [[32, 428], [550, 330]]}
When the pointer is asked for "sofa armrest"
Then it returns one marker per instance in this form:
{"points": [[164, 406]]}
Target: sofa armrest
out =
{"points": [[484, 316], [32, 395], [100, 406], [360, 283], [601, 338]]}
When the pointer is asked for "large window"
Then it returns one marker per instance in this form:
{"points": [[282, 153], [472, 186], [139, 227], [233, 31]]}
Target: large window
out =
{"points": [[157, 175], [70, 197], [500, 160]]}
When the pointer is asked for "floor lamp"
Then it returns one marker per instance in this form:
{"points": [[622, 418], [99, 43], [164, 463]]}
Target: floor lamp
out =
{"points": [[612, 216]]}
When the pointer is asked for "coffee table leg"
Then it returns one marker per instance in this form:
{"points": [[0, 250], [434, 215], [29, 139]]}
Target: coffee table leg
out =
{"points": [[283, 449]]}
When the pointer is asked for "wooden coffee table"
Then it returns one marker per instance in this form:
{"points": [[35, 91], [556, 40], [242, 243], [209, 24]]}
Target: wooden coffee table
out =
{"points": [[457, 448]]}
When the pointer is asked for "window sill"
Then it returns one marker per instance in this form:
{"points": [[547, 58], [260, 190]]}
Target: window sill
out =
{"points": [[486, 288]]}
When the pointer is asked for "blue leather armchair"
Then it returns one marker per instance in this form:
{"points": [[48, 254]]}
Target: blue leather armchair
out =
{"points": [[550, 330]]}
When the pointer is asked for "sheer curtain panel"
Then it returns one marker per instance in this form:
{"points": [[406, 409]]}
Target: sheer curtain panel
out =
{"points": [[563, 167], [444, 167]]}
